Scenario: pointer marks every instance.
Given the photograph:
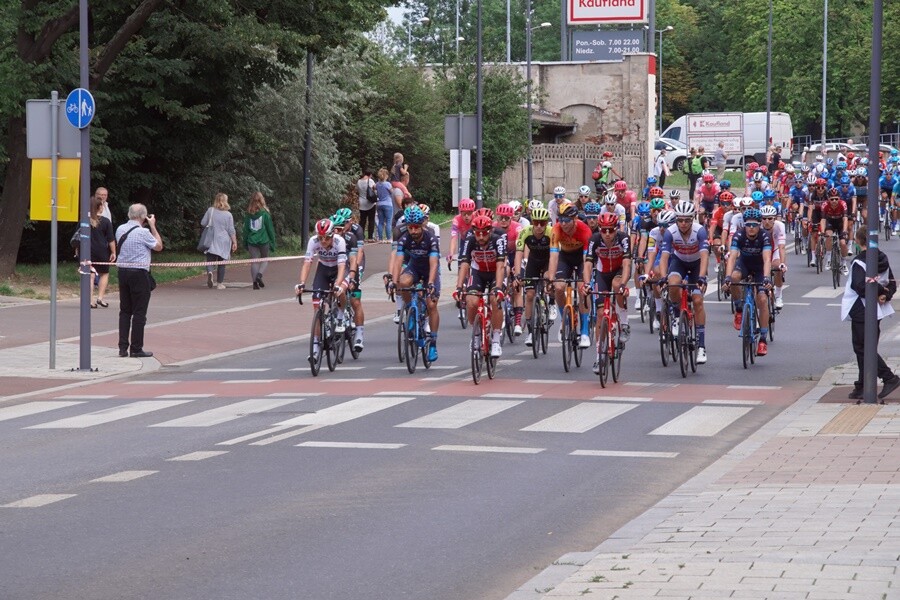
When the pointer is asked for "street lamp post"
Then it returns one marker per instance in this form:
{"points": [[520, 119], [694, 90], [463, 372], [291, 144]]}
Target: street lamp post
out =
{"points": [[659, 99], [528, 30], [769, 83], [409, 24], [824, 71]]}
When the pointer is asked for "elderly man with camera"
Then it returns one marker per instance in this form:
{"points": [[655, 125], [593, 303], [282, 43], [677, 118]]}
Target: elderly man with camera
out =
{"points": [[135, 244]]}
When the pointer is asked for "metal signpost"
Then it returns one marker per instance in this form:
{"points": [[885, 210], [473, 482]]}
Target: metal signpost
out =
{"points": [[605, 45], [709, 129], [85, 104], [460, 136]]}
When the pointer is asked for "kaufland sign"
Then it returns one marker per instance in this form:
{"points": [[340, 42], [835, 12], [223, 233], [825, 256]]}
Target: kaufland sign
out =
{"points": [[587, 12]]}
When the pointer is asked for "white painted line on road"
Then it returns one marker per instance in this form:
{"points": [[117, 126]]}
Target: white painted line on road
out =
{"points": [[193, 396], [249, 381], [701, 421], [152, 382], [823, 291], [553, 381], [462, 414], [347, 379], [523, 396], [508, 361], [399, 393], [85, 397], [230, 412], [343, 368], [33, 408], [294, 394], [123, 476], [357, 445], [38, 501], [622, 399], [235, 370], [286, 435], [754, 387], [833, 304], [110, 414], [580, 418], [201, 455], [735, 402], [431, 368], [803, 303], [500, 449], [347, 411], [254, 435], [623, 454], [443, 377], [645, 384]]}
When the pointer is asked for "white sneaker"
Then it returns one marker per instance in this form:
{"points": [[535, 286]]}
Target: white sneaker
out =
{"points": [[358, 344], [496, 349], [674, 326], [716, 268], [397, 317], [554, 313], [779, 303], [559, 335], [339, 327], [584, 341], [596, 367], [517, 330], [827, 264], [625, 333], [528, 340], [221, 286], [844, 269], [812, 260], [701, 356]]}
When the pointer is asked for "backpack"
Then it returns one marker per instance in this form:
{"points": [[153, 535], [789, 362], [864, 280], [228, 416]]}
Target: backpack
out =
{"points": [[697, 165], [371, 194]]}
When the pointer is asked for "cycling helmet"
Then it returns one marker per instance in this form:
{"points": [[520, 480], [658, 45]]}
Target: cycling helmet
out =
{"points": [[568, 210], [345, 212], [864, 161], [757, 196], [338, 220], [592, 209], [862, 172], [674, 195], [425, 209], [851, 156], [894, 152], [757, 177], [894, 159], [610, 198], [484, 212], [753, 166], [608, 220], [657, 204], [535, 205], [820, 168], [644, 208], [607, 154], [684, 209], [811, 179], [820, 181], [767, 211], [819, 158], [842, 165], [414, 215], [325, 228], [805, 168], [830, 162], [651, 181], [466, 205], [763, 169], [833, 194], [559, 191], [482, 223], [516, 206], [505, 210], [665, 218], [769, 194], [747, 202], [606, 164], [752, 214], [709, 178], [780, 165], [540, 214], [621, 186], [788, 168], [845, 180], [725, 184], [584, 191], [726, 197], [657, 192]]}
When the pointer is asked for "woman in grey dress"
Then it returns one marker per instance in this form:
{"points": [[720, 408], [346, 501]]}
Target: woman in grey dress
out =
{"points": [[224, 240]]}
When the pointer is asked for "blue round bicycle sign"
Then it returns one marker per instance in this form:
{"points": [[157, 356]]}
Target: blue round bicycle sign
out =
{"points": [[80, 108]]}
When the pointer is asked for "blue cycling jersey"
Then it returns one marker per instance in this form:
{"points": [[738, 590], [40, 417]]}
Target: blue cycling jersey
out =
{"points": [[751, 249], [847, 193], [799, 195]]}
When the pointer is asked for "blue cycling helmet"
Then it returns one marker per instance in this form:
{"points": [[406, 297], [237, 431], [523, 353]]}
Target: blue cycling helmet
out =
{"points": [[643, 209], [757, 196], [414, 215], [651, 181], [894, 159], [725, 184], [894, 152], [864, 161], [842, 165], [592, 209], [830, 162], [845, 180], [752, 214], [769, 194]]}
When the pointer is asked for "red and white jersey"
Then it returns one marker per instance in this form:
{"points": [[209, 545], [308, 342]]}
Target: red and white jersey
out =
{"points": [[608, 259]]}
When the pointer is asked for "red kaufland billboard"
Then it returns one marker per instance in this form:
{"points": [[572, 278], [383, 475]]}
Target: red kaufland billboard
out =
{"points": [[587, 12]]}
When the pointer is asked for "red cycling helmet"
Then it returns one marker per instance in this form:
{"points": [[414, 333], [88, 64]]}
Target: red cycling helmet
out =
{"points": [[764, 169], [620, 186], [726, 197], [466, 205], [851, 155], [820, 182], [657, 192], [483, 212], [752, 166], [505, 210], [833, 194], [608, 220], [781, 166], [325, 228], [482, 223], [709, 178], [607, 154]]}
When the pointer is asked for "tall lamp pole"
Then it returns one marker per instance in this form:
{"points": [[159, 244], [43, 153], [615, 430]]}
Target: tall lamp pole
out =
{"points": [[769, 83], [409, 24], [824, 69], [528, 30], [479, 113], [660, 32]]}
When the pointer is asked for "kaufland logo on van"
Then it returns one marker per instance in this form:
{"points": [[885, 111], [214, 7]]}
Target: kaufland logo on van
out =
{"points": [[606, 11]]}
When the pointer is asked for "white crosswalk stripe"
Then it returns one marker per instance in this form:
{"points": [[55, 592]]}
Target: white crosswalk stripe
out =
{"points": [[33, 408], [702, 421], [108, 415], [223, 414], [581, 418], [462, 414]]}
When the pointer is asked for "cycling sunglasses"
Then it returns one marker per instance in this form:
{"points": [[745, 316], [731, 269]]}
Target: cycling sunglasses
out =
{"points": [[684, 220], [607, 230], [751, 224], [539, 223], [566, 219]]}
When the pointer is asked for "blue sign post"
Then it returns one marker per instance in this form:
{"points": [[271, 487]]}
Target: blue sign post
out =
{"points": [[80, 108]]}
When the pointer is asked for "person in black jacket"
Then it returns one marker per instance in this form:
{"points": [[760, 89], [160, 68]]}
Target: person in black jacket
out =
{"points": [[853, 308]]}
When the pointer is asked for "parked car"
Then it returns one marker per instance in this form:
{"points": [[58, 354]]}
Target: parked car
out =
{"points": [[676, 152], [864, 149], [831, 148]]}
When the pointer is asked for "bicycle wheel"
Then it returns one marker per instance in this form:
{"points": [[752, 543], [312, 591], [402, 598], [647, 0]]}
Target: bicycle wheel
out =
{"points": [[798, 242], [509, 321], [411, 335], [651, 311], [566, 327], [643, 304], [616, 348], [350, 339], [425, 350], [315, 350], [808, 248], [461, 313], [535, 323], [329, 345], [340, 345], [476, 348], [887, 227], [603, 350], [820, 255], [683, 350], [577, 350], [401, 338], [746, 341], [720, 281], [545, 327], [489, 361], [664, 339], [835, 264], [693, 344], [771, 303]]}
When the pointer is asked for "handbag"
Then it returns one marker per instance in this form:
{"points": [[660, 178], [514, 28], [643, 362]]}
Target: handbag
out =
{"points": [[206, 238], [152, 281]]}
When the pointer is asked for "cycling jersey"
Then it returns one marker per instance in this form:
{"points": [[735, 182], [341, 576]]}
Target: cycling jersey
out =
{"points": [[560, 241], [716, 221], [750, 252], [538, 247], [459, 228], [707, 193], [686, 248], [617, 209], [512, 235], [357, 232], [328, 257], [861, 185], [799, 195], [483, 258], [817, 199], [847, 193], [886, 184], [608, 259], [627, 199], [834, 210], [351, 242], [416, 254], [777, 234]]}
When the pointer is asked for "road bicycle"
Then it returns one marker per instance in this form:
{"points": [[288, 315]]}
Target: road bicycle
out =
{"points": [[720, 277], [324, 322], [836, 260], [413, 328], [509, 318], [884, 216], [570, 325], [609, 344], [349, 334], [540, 315], [480, 347], [460, 305], [798, 238], [645, 298], [820, 253], [749, 332], [686, 341], [667, 329]]}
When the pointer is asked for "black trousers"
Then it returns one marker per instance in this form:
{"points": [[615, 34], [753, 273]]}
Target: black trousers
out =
{"points": [[134, 298], [857, 331], [662, 179], [367, 222], [693, 181]]}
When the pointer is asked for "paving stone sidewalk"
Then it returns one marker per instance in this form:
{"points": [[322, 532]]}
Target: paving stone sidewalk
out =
{"points": [[806, 508]]}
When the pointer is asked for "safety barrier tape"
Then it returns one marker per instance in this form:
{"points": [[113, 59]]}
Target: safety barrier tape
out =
{"points": [[199, 263]]}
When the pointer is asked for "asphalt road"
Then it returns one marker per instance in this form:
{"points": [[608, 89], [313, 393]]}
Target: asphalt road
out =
{"points": [[403, 486]]}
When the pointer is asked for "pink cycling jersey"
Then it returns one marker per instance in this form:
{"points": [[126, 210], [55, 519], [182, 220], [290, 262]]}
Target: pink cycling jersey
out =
{"points": [[459, 228]]}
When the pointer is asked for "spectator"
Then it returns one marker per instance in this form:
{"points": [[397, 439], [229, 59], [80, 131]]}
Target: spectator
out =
{"points": [[661, 168], [259, 237], [400, 174], [103, 249], [694, 167], [720, 159], [135, 244], [385, 206], [368, 200], [103, 194], [853, 308], [774, 160], [224, 240]]}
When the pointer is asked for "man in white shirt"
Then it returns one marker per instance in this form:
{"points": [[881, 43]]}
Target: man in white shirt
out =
{"points": [[661, 168]]}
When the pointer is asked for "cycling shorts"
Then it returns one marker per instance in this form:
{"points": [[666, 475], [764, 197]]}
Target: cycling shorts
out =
{"points": [[324, 279], [570, 265], [689, 271], [708, 205], [816, 215], [836, 225], [603, 282], [421, 276], [535, 268], [481, 281], [754, 270]]}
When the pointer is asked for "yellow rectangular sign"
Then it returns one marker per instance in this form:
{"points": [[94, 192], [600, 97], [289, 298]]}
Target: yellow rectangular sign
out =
{"points": [[68, 174]]}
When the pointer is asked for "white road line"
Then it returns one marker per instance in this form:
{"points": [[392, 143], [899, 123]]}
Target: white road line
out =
{"points": [[500, 449], [623, 454], [230, 412], [622, 399], [347, 379], [833, 304], [701, 421], [553, 381], [109, 415], [462, 414], [192, 396], [250, 381], [443, 377], [85, 397], [234, 370], [286, 435], [407, 393], [254, 435], [754, 387], [294, 394], [343, 368], [152, 382], [735, 402], [123, 476], [645, 384], [823, 291], [580, 418], [38, 501], [803, 303], [431, 368], [358, 445], [33, 408], [523, 396], [201, 455], [347, 411], [508, 361]]}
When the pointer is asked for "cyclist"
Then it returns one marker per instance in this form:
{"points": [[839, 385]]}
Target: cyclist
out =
{"points": [[584, 196], [612, 207], [674, 198], [663, 221], [533, 205], [817, 198], [716, 225], [533, 246], [505, 225], [356, 264], [751, 257], [685, 257], [569, 239], [705, 196], [834, 220], [482, 268], [758, 183], [625, 197], [419, 253], [592, 211], [519, 213], [847, 191], [609, 253], [775, 229], [860, 183], [559, 196], [459, 227], [886, 184], [799, 194], [352, 226], [651, 183], [331, 251]]}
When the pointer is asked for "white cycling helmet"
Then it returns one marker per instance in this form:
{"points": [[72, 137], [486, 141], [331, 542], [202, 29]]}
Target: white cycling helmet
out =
{"points": [[665, 218], [516, 205], [757, 176], [684, 209], [788, 168], [610, 198], [559, 191], [819, 157], [584, 191], [746, 202], [811, 179], [768, 211], [675, 195], [819, 168], [606, 164], [534, 205], [862, 172]]}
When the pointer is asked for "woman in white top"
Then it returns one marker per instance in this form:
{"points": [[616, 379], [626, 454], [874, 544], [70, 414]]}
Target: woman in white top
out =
{"points": [[224, 240]]}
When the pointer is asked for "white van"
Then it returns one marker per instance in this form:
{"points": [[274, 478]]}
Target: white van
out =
{"points": [[780, 128]]}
